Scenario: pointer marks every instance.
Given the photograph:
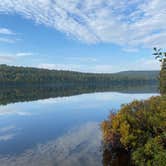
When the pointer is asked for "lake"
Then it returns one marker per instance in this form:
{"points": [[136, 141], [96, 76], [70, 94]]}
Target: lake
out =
{"points": [[41, 129]]}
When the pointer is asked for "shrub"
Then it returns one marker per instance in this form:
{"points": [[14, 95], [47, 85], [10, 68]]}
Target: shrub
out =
{"points": [[140, 128]]}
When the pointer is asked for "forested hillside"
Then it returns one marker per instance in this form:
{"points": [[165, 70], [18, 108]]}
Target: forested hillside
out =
{"points": [[24, 75]]}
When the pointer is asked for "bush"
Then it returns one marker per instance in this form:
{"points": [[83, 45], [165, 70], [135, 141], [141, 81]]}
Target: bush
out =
{"points": [[139, 128]]}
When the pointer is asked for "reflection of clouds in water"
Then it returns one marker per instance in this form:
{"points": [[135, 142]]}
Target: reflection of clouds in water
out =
{"points": [[8, 111], [7, 133], [78, 98], [98, 96], [6, 137], [55, 100], [78, 147], [6, 128]]}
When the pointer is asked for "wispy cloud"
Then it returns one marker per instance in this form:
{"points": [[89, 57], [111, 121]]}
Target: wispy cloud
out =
{"points": [[147, 64], [24, 54], [6, 31], [130, 49], [140, 64], [126, 22], [6, 36], [7, 40], [82, 59], [7, 58]]}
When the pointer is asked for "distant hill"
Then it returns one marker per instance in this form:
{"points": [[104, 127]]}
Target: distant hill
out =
{"points": [[10, 75], [148, 74]]}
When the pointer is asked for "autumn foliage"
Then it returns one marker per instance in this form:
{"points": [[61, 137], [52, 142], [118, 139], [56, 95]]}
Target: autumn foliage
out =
{"points": [[139, 128]]}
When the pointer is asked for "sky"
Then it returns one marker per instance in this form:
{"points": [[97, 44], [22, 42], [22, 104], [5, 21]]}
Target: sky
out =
{"points": [[82, 35]]}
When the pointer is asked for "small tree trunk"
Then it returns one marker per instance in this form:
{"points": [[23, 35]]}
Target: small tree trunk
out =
{"points": [[163, 78]]}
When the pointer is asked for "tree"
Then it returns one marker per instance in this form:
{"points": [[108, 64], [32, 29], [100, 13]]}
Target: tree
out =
{"points": [[161, 56]]}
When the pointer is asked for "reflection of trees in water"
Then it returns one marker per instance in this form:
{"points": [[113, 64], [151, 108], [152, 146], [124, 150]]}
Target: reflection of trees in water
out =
{"points": [[119, 158], [35, 92]]}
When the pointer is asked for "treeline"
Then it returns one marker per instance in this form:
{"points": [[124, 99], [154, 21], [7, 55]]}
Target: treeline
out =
{"points": [[10, 75]]}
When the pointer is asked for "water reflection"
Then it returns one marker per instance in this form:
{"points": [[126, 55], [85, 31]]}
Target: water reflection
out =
{"points": [[118, 158], [80, 146], [57, 131], [30, 93], [7, 133]]}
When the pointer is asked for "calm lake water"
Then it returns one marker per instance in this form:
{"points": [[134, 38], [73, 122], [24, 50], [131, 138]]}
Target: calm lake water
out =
{"points": [[60, 131]]}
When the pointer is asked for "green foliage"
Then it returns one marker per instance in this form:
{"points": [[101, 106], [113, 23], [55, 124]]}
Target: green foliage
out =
{"points": [[139, 127], [151, 154], [23, 75], [161, 56], [163, 80]]}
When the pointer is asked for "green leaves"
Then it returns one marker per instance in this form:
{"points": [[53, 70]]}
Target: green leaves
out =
{"points": [[159, 54], [140, 125]]}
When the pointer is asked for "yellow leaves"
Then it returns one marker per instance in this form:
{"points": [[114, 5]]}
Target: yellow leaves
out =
{"points": [[105, 129], [139, 125], [124, 132], [128, 137], [115, 123]]}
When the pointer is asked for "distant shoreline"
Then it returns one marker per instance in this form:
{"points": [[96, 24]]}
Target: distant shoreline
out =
{"points": [[24, 75]]}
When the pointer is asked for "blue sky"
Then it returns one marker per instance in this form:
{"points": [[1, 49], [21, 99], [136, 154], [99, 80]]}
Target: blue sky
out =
{"points": [[82, 35]]}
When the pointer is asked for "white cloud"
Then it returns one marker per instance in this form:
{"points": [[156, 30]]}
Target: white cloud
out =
{"points": [[82, 59], [128, 49], [6, 58], [6, 31], [140, 64], [7, 40], [9, 58], [6, 36], [59, 66], [126, 22], [23, 54], [147, 64]]}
